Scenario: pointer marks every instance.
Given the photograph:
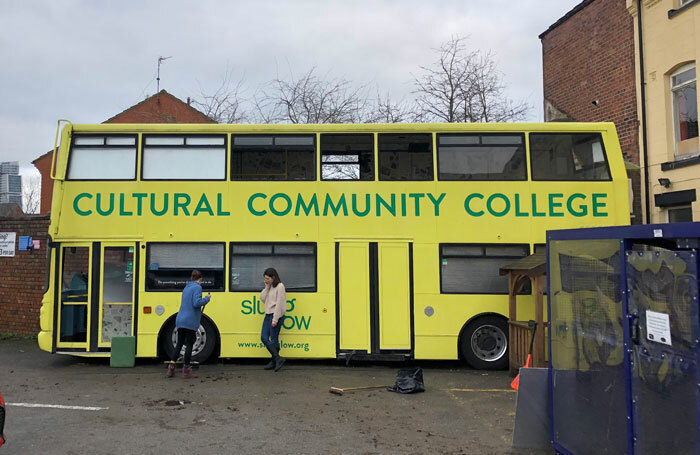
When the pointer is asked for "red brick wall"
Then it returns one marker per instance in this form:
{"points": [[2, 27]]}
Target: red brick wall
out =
{"points": [[23, 276], [161, 108], [590, 56]]}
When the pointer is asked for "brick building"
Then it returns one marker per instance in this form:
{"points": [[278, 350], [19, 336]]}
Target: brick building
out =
{"points": [[588, 69], [159, 108]]}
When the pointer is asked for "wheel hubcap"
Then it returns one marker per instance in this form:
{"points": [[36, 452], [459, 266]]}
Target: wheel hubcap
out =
{"points": [[199, 342], [489, 343]]}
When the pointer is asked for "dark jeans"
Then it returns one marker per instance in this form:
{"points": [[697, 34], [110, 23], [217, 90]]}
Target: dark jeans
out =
{"points": [[269, 335], [187, 338]]}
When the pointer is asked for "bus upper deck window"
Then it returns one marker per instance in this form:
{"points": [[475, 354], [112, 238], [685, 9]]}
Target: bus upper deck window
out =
{"points": [[273, 157], [347, 157], [481, 156], [568, 156], [405, 157], [100, 157]]}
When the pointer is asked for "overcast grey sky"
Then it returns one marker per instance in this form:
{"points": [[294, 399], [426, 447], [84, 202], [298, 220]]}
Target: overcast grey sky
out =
{"points": [[89, 60]]}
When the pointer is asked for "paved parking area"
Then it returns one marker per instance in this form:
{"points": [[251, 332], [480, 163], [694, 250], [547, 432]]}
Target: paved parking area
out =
{"points": [[236, 407]]}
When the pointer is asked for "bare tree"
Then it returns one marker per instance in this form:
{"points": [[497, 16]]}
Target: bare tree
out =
{"points": [[310, 99], [384, 110], [31, 194], [225, 104], [464, 86]]}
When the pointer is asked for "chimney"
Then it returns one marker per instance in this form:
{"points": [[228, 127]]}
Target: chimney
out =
{"points": [[188, 100]]}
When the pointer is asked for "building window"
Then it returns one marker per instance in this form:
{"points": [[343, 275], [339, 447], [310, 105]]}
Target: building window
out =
{"points": [[474, 269], [96, 157], [680, 214], [568, 157], [295, 263], [481, 156], [406, 157], [347, 157], [685, 2], [170, 265], [282, 157], [195, 157], [684, 98]]}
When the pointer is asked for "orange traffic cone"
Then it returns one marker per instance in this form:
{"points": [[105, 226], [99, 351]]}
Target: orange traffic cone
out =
{"points": [[516, 382]]}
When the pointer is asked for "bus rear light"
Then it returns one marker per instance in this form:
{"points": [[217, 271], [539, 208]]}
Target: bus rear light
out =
{"points": [[147, 310]]}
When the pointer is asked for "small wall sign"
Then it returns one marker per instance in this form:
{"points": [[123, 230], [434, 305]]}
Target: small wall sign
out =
{"points": [[7, 244]]}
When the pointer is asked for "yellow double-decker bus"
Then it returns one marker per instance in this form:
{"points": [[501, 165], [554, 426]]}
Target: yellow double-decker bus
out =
{"points": [[388, 238]]}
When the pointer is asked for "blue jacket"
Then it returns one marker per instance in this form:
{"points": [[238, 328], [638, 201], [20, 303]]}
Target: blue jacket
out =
{"points": [[191, 306]]}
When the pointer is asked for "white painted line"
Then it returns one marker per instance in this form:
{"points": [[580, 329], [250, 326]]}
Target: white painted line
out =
{"points": [[56, 406]]}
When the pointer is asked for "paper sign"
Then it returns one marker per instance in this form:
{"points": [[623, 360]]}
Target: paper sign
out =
{"points": [[658, 233], [25, 243], [658, 327], [7, 244], [36, 244]]}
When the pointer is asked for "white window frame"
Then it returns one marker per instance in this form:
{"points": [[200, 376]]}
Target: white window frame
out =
{"points": [[674, 119], [685, 2]]}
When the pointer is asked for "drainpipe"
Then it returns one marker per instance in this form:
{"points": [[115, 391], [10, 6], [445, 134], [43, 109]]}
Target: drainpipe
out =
{"points": [[647, 198]]}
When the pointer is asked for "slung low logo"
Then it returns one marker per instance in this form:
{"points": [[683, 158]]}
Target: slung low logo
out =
{"points": [[255, 306]]}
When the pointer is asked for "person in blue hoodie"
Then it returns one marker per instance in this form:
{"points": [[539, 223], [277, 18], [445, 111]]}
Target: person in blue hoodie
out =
{"points": [[187, 322]]}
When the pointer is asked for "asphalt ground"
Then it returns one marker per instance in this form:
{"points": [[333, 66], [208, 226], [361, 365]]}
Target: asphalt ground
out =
{"points": [[235, 406]]}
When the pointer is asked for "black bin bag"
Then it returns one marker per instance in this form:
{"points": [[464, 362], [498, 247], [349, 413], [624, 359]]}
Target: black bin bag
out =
{"points": [[408, 380]]}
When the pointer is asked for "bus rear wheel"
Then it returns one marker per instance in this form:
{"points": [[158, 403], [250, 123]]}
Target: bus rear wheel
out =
{"points": [[203, 347], [484, 343]]}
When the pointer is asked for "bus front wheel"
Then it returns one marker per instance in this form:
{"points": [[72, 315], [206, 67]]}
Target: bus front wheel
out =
{"points": [[484, 343], [204, 345]]}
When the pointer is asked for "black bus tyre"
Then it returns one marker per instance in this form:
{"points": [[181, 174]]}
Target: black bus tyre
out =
{"points": [[204, 345], [484, 343]]}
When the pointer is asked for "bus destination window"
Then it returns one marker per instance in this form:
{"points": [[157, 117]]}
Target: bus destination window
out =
{"points": [[568, 157]]}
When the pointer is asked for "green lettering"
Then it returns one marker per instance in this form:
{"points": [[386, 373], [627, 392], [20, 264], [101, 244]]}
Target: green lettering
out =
{"points": [[583, 208], [335, 208], [99, 205], [122, 211], [598, 204], [380, 201], [489, 204], [250, 204], [181, 205], [153, 205], [436, 202], [416, 197], [219, 205], [286, 199], [247, 306], [75, 204], [403, 204], [553, 205], [301, 205], [203, 206], [517, 207], [365, 212], [139, 201], [467, 204], [534, 207]]}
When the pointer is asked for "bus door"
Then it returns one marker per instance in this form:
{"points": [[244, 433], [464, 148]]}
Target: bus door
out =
{"points": [[117, 292], [96, 300], [374, 286], [74, 300]]}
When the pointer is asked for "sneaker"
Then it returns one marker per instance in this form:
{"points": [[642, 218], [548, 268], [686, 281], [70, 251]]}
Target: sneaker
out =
{"points": [[171, 369], [187, 373], [279, 362], [270, 365]]}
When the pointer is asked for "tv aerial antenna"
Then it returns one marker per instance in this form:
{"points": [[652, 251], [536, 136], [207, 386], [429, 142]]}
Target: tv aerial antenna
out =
{"points": [[160, 59]]}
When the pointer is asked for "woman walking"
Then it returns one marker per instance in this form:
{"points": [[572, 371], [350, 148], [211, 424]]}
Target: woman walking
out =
{"points": [[187, 322], [274, 296]]}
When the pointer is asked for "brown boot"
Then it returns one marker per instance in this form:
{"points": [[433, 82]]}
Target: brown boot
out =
{"points": [[171, 369], [187, 373]]}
